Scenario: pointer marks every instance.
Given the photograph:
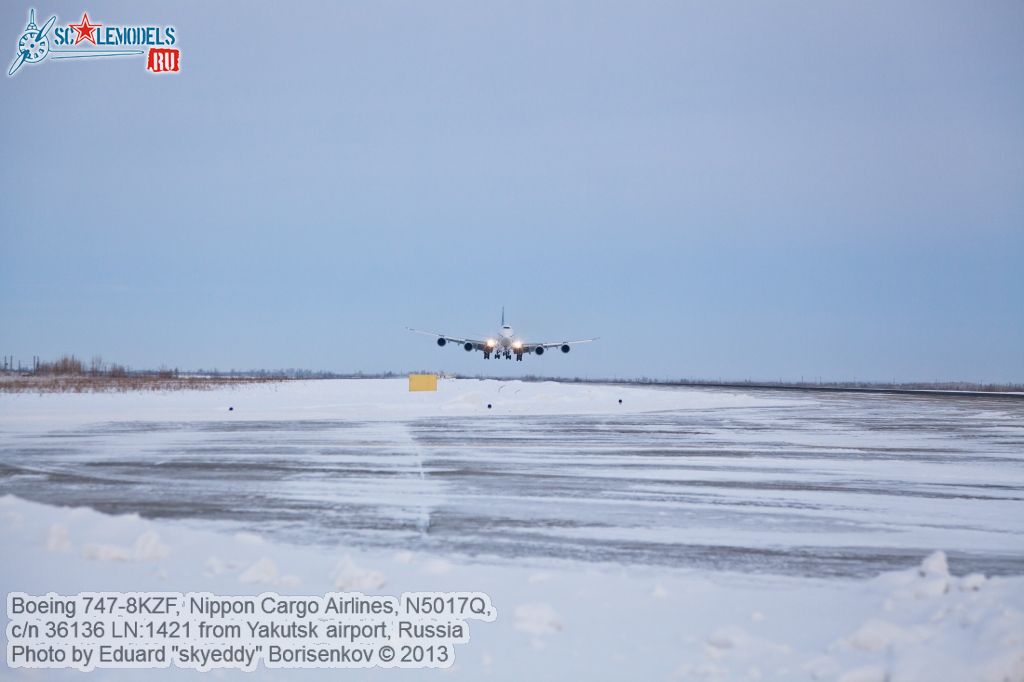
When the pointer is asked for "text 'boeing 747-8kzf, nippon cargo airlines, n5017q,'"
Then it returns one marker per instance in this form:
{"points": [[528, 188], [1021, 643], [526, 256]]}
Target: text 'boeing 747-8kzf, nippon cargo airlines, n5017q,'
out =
{"points": [[504, 344]]}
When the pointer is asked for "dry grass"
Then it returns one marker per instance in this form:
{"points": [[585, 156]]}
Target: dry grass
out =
{"points": [[85, 383]]}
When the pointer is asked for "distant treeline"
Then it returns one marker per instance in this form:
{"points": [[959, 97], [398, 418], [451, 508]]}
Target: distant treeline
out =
{"points": [[292, 373], [69, 374], [71, 366]]}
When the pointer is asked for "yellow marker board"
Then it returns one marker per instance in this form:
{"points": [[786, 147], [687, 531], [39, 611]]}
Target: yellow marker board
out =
{"points": [[422, 382]]}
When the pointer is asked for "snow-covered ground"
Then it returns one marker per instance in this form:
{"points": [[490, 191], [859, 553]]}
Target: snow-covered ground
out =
{"points": [[679, 534]]}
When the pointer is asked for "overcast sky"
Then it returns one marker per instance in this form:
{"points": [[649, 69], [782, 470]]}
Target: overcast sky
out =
{"points": [[717, 189]]}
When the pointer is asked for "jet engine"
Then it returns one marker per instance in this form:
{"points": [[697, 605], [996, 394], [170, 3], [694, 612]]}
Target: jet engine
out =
{"points": [[539, 350], [565, 348], [442, 341], [468, 346]]}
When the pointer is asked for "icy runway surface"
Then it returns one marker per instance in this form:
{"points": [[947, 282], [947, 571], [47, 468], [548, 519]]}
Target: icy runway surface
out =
{"points": [[781, 483]]}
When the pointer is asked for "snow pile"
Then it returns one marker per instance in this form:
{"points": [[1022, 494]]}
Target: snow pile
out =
{"points": [[348, 577], [936, 626], [147, 547], [537, 619], [58, 539], [924, 624], [264, 572]]}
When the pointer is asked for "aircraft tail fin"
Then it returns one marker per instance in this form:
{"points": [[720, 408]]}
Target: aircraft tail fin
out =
{"points": [[502, 316]]}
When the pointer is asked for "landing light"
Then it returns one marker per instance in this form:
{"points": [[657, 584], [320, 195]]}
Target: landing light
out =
{"points": [[517, 344], [490, 343]]}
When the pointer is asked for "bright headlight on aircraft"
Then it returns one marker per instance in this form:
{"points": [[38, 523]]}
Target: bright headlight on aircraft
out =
{"points": [[517, 344], [490, 343]]}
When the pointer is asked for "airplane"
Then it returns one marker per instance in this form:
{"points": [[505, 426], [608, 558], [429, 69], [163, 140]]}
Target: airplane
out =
{"points": [[504, 344]]}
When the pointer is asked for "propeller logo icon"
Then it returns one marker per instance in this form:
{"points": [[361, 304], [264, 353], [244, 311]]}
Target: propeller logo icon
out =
{"points": [[34, 43]]}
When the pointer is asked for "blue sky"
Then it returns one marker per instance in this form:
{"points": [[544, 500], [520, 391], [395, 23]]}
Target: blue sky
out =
{"points": [[719, 190]]}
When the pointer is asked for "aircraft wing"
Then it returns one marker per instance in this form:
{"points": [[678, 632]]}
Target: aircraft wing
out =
{"points": [[477, 344], [532, 347]]}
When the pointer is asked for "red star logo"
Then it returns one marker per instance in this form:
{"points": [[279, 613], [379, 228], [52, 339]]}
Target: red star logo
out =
{"points": [[85, 30]]}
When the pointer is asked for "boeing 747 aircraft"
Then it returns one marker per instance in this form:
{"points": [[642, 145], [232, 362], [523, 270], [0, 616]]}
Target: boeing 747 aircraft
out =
{"points": [[504, 344]]}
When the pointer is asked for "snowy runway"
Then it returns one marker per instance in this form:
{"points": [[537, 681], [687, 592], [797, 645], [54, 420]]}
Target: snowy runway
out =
{"points": [[807, 484], [681, 534]]}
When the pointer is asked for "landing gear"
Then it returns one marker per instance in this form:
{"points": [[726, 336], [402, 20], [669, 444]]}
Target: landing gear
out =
{"points": [[487, 355]]}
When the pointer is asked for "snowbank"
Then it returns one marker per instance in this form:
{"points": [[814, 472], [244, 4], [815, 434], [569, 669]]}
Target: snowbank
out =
{"points": [[356, 399], [560, 620]]}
